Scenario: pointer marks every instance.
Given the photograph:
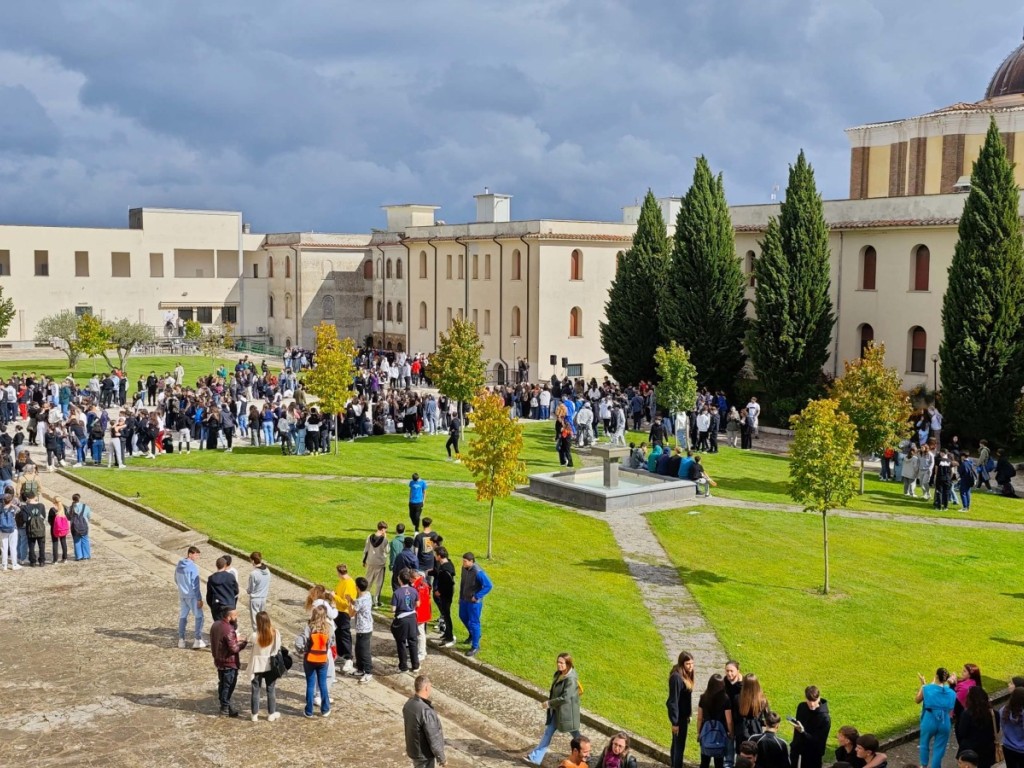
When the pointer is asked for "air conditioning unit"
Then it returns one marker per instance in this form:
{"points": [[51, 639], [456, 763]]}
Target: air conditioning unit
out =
{"points": [[261, 329], [963, 184]]}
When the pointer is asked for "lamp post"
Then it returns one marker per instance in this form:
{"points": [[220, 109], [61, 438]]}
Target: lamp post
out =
{"points": [[935, 371]]}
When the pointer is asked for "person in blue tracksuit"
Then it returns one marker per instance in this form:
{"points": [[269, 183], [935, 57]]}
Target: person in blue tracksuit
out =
{"points": [[473, 587]]}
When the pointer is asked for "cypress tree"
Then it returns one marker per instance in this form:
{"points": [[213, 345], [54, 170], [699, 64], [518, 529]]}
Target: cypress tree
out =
{"points": [[982, 349], [630, 332], [793, 330], [705, 309]]}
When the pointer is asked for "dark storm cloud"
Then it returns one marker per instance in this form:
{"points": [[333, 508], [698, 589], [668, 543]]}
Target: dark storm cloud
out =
{"points": [[311, 115]]}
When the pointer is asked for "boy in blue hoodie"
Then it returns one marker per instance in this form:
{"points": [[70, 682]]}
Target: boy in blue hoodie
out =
{"points": [[190, 597]]}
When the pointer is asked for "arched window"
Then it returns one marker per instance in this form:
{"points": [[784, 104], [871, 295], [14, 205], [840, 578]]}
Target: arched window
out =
{"points": [[922, 265], [380, 267], [270, 266], [575, 322], [380, 310], [448, 267], [868, 262], [462, 266], [423, 314], [751, 258], [270, 305], [327, 308], [387, 270], [390, 312], [287, 306], [918, 349], [476, 266], [287, 267], [398, 270], [517, 265], [576, 265], [398, 312], [867, 335], [423, 265], [368, 270], [367, 308], [328, 268], [515, 322]]}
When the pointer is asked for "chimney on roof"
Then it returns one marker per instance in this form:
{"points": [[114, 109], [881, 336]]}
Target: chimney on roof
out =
{"points": [[492, 207], [246, 228]]}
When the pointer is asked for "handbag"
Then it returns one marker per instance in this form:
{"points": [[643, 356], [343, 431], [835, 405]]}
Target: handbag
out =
{"points": [[998, 741], [280, 663]]}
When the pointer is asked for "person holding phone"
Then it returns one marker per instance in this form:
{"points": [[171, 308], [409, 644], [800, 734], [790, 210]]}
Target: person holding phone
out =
{"points": [[811, 727]]}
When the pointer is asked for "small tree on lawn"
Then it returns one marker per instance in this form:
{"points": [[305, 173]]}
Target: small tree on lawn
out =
{"points": [[6, 312], [124, 336], [193, 330], [457, 368], [493, 454], [92, 340], [677, 377], [822, 471], [331, 379], [872, 397], [62, 326]]}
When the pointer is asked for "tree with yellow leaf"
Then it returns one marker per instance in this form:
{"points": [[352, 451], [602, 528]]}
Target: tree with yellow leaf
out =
{"points": [[822, 472], [493, 454], [457, 368], [872, 396], [330, 380]]}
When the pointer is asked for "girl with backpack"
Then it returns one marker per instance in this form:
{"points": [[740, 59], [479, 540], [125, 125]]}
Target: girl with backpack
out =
{"points": [[714, 722], [60, 527], [267, 643], [314, 645]]}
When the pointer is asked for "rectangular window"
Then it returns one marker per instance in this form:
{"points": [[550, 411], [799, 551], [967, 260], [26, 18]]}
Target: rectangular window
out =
{"points": [[462, 314], [476, 318], [255, 269], [42, 263], [204, 315], [476, 266], [574, 370], [81, 263], [487, 322], [487, 266], [229, 314], [185, 313], [82, 310], [448, 267], [5, 262], [156, 265], [449, 318], [120, 264]]}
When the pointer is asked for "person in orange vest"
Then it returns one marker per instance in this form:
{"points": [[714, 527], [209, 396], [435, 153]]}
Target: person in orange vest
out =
{"points": [[314, 644]]}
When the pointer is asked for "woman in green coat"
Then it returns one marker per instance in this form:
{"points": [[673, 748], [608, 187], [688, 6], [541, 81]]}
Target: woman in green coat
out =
{"points": [[562, 705]]}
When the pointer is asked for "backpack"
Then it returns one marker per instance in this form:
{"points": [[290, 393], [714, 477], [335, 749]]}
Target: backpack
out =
{"points": [[7, 521], [36, 524], [713, 738], [61, 526], [79, 525], [30, 489]]}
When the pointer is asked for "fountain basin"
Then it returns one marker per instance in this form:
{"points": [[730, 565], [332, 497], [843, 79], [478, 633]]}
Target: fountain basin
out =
{"points": [[585, 488]]}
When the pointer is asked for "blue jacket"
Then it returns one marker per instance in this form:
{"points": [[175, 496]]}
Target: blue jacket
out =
{"points": [[480, 583], [186, 576]]}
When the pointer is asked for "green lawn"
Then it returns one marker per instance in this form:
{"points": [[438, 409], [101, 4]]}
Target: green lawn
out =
{"points": [[906, 599], [383, 456], [560, 582], [57, 368], [763, 477]]}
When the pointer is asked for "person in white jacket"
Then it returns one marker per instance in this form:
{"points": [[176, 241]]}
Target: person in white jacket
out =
{"points": [[682, 429], [266, 642]]}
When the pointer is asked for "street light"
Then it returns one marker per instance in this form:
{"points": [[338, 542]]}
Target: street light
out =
{"points": [[935, 371]]}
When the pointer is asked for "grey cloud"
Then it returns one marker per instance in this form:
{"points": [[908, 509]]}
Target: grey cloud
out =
{"points": [[24, 125]]}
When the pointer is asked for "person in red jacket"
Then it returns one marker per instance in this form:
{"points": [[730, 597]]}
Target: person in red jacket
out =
{"points": [[422, 612], [226, 645]]}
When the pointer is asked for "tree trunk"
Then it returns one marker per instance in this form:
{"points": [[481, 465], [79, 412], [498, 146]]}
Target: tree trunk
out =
{"points": [[490, 529], [861, 475], [824, 530]]}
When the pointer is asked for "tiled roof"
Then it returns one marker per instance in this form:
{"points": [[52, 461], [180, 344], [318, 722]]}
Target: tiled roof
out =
{"points": [[869, 224]]}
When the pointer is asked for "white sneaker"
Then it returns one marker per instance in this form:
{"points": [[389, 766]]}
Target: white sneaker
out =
{"points": [[255, 718], [273, 716], [181, 641], [316, 701], [15, 567], [349, 667], [366, 679], [198, 645]]}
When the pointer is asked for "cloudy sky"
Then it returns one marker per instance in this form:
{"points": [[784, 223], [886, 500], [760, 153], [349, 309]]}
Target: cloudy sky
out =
{"points": [[311, 115]]}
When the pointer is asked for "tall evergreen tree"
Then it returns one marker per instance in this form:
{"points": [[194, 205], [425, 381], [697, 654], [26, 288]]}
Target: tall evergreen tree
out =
{"points": [[790, 340], [705, 310], [630, 333], [982, 349]]}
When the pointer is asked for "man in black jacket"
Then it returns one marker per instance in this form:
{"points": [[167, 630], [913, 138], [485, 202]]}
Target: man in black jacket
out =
{"points": [[424, 738], [810, 733], [444, 593], [221, 590], [772, 751]]}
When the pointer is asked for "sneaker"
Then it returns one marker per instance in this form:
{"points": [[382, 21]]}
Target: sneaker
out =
{"points": [[448, 644], [472, 652], [181, 641], [349, 667], [308, 714], [355, 673], [228, 712], [76, 465], [273, 716], [366, 679], [198, 645], [255, 718], [415, 671], [316, 701], [326, 714], [16, 567]]}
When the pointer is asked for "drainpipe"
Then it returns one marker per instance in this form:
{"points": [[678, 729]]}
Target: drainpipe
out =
{"points": [[527, 300], [501, 306], [298, 294], [839, 301], [408, 290], [383, 302], [465, 277], [436, 280]]}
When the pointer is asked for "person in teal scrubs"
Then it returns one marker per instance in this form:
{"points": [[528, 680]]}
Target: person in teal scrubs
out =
{"points": [[937, 700]]}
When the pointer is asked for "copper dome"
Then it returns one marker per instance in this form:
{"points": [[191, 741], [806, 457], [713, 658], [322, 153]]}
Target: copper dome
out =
{"points": [[1009, 78]]}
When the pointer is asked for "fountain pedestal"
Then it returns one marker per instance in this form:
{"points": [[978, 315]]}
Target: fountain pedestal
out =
{"points": [[610, 458]]}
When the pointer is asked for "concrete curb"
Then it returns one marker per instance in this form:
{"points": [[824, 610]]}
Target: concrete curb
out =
{"points": [[599, 724], [915, 733]]}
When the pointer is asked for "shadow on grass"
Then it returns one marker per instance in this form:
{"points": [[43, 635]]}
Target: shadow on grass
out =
{"points": [[606, 564], [335, 542], [701, 578], [1018, 595], [162, 637], [1007, 641]]}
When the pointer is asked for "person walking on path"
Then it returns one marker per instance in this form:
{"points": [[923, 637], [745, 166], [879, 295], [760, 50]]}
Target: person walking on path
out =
{"points": [[680, 706], [226, 645], [267, 643], [424, 737], [937, 700], [454, 433], [190, 596], [79, 516], [258, 588], [375, 559], [474, 585], [417, 495], [444, 593], [562, 705]]}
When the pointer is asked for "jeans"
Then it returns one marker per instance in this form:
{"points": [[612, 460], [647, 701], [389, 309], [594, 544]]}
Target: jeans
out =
{"points": [[300, 442], [404, 632], [316, 677], [9, 547], [545, 412], [226, 680], [187, 605], [965, 497], [364, 659], [469, 614], [271, 693], [537, 755], [268, 433], [97, 451], [61, 541], [83, 551], [22, 544]]}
